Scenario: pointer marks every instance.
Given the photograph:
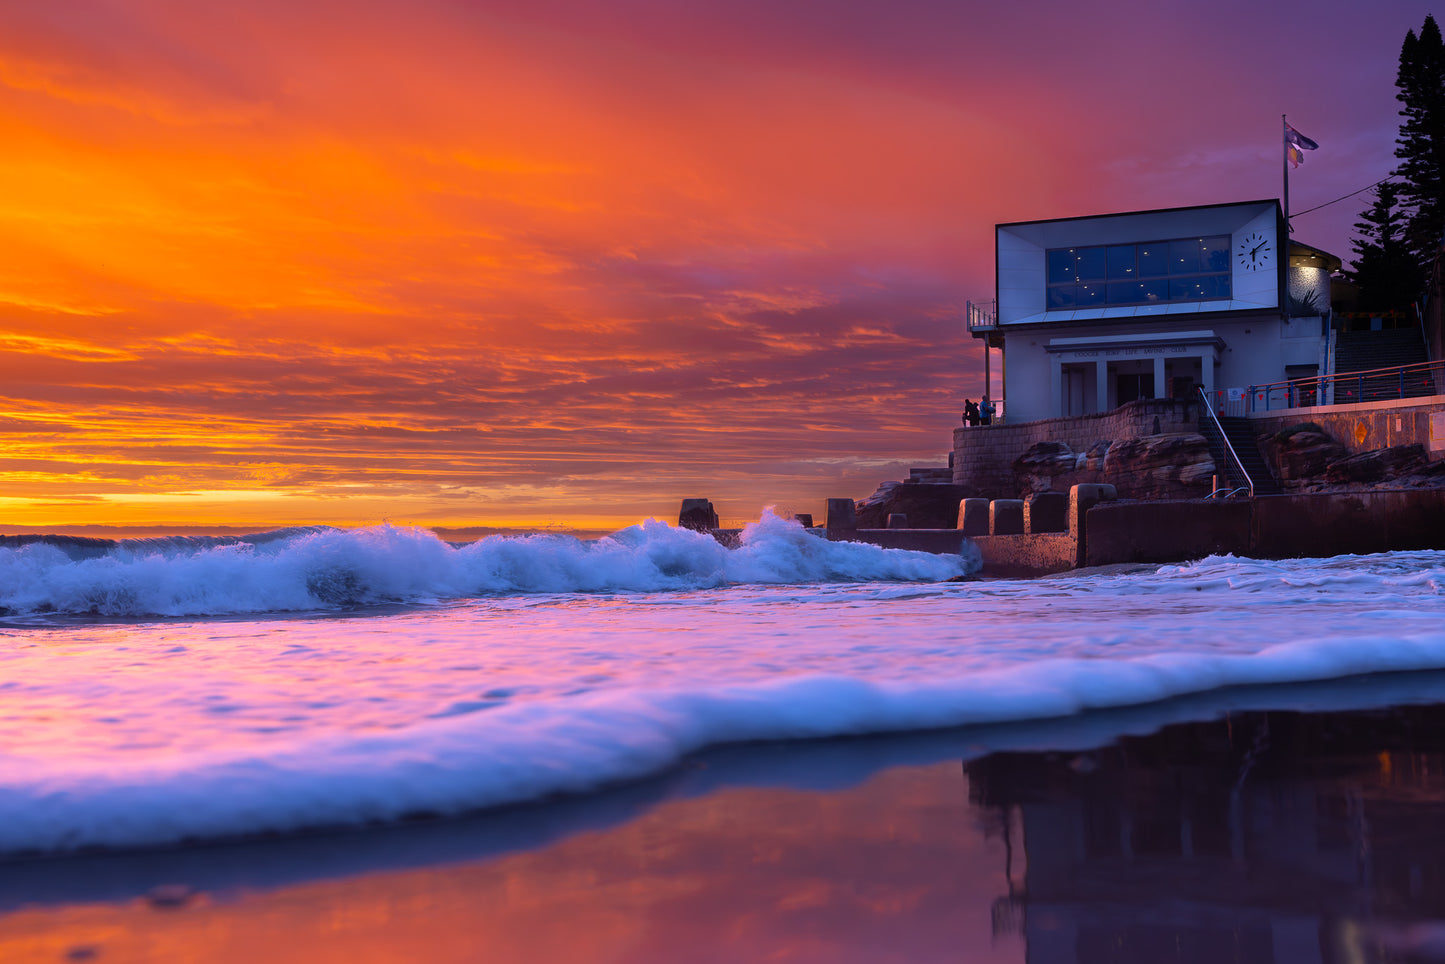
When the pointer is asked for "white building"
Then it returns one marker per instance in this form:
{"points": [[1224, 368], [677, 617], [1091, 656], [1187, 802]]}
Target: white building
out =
{"points": [[1093, 312]]}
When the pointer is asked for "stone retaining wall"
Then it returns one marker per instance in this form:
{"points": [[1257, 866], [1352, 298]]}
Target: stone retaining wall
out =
{"points": [[983, 455], [1364, 427]]}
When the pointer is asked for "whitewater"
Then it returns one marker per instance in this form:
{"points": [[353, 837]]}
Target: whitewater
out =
{"points": [[155, 692]]}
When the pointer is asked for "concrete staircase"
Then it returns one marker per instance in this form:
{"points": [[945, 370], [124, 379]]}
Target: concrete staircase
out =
{"points": [[1366, 351], [1241, 438]]}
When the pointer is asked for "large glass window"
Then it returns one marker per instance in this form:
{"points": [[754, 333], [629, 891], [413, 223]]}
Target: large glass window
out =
{"points": [[1154, 272]]}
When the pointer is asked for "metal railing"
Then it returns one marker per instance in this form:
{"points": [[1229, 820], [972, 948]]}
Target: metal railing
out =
{"points": [[1229, 448], [979, 318], [1379, 384]]}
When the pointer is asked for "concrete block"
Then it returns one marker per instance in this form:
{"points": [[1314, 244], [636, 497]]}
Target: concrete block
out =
{"points": [[842, 514], [1006, 517], [697, 514], [897, 520], [805, 519], [973, 517], [1082, 498], [1046, 512]]}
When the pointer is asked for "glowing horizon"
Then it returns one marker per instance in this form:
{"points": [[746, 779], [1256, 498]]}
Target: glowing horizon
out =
{"points": [[525, 265]]}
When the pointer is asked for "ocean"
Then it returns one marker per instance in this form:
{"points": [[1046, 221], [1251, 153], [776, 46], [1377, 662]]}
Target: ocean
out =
{"points": [[171, 691]]}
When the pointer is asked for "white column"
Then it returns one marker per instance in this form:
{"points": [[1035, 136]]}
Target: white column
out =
{"points": [[1101, 386], [1056, 385], [1206, 371], [1160, 389]]}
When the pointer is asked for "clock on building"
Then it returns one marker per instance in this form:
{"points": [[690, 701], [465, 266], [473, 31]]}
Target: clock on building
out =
{"points": [[1254, 251]]}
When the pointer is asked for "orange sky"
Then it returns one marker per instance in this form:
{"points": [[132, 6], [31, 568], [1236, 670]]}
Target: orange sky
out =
{"points": [[469, 263]]}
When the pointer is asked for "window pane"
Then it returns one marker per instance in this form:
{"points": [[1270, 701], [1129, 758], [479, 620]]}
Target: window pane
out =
{"points": [[1155, 272], [1061, 266], [1090, 263], [1216, 253], [1121, 262], [1123, 292], [1184, 257], [1154, 260], [1187, 289], [1214, 287]]}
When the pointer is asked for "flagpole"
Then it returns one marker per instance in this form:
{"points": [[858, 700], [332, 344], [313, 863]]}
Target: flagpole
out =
{"points": [[1284, 169]]}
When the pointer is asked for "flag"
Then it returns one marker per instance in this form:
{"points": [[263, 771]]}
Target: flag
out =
{"points": [[1295, 144]]}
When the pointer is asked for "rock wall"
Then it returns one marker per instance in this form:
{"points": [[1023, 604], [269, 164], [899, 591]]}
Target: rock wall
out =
{"points": [[984, 455], [1321, 449], [1360, 428]]}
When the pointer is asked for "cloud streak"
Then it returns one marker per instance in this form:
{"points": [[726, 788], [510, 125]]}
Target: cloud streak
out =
{"points": [[493, 264]]}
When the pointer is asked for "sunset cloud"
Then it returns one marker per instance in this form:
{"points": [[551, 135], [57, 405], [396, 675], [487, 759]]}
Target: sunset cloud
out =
{"points": [[500, 263]]}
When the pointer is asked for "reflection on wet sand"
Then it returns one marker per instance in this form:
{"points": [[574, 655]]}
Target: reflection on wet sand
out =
{"points": [[894, 869], [1259, 838]]}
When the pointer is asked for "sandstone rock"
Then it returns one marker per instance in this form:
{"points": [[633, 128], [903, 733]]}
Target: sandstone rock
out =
{"points": [[1303, 455], [1046, 467], [1046, 458], [1378, 465], [1094, 458], [1170, 466], [926, 506]]}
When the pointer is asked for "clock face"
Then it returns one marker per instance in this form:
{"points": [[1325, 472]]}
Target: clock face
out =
{"points": [[1254, 251]]}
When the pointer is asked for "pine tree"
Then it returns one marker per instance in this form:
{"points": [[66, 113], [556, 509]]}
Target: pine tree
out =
{"points": [[1386, 272], [1420, 145]]}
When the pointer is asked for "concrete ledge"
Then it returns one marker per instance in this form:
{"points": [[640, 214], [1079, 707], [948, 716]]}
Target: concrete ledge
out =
{"points": [[1025, 555]]}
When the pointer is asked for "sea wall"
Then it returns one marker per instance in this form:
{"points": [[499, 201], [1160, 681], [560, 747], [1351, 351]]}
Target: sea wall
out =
{"points": [[1269, 527], [1366, 426], [983, 455]]}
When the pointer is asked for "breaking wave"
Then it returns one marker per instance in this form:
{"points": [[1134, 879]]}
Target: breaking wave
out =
{"points": [[318, 568]]}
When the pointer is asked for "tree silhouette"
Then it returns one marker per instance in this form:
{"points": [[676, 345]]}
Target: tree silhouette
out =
{"points": [[1387, 273], [1420, 145]]}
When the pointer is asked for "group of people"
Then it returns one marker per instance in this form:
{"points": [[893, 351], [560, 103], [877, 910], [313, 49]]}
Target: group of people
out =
{"points": [[975, 413]]}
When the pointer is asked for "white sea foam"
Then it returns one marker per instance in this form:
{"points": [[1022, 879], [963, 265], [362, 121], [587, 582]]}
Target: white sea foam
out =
{"points": [[139, 734], [316, 569]]}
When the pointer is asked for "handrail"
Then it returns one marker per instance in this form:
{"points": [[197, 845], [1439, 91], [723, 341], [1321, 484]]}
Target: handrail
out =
{"points": [[1320, 384], [1204, 399]]}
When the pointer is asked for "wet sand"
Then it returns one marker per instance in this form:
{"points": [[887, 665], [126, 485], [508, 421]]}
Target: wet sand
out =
{"points": [[1253, 828]]}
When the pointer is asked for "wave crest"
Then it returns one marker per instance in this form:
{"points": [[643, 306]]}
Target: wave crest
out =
{"points": [[318, 568]]}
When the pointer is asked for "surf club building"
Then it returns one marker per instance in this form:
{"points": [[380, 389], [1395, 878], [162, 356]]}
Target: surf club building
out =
{"points": [[1094, 312]]}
